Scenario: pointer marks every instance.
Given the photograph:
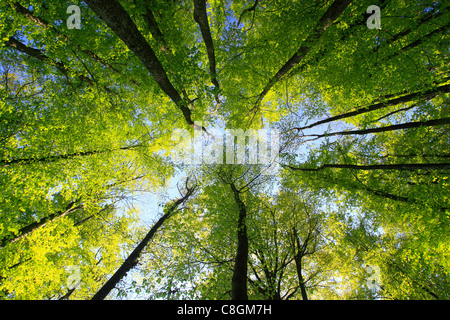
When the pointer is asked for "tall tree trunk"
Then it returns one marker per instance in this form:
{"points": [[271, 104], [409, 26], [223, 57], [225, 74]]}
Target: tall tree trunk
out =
{"points": [[299, 252], [133, 258], [115, 16], [301, 282], [239, 279]]}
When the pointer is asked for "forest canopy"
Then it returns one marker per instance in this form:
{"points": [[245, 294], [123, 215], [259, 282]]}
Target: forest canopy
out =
{"points": [[299, 149]]}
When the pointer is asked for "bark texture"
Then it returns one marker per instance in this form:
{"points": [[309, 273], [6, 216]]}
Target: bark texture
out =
{"points": [[392, 102], [132, 260], [239, 279], [399, 166], [115, 16], [201, 18], [333, 12], [26, 230]]}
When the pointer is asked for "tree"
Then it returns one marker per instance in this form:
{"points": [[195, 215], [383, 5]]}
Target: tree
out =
{"points": [[133, 258], [87, 118]]}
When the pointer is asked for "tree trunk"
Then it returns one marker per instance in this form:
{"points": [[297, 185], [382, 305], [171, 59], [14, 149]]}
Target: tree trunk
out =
{"points": [[333, 12], [406, 98], [407, 125], [133, 258], [404, 166], [299, 252], [239, 279], [301, 282], [201, 18], [115, 16], [23, 232]]}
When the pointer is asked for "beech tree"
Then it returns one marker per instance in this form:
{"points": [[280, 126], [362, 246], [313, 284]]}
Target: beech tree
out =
{"points": [[359, 208]]}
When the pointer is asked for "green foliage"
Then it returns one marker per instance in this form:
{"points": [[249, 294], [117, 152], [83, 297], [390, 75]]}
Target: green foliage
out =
{"points": [[84, 127]]}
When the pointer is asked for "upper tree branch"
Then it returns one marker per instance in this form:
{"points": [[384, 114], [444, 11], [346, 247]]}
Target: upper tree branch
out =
{"points": [[154, 29], [54, 158], [37, 54], [250, 9]]}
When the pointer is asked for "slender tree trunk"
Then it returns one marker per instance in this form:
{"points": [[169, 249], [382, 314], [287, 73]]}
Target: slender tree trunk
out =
{"points": [[333, 12], [299, 251], [407, 125], [24, 161], [239, 279], [201, 18], [133, 258], [403, 99], [23, 232], [301, 282], [404, 166]]}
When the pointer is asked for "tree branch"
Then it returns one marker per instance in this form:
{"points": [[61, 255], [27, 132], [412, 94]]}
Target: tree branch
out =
{"points": [[43, 23]]}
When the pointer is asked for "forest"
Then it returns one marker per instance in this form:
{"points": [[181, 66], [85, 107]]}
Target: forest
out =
{"points": [[224, 150]]}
